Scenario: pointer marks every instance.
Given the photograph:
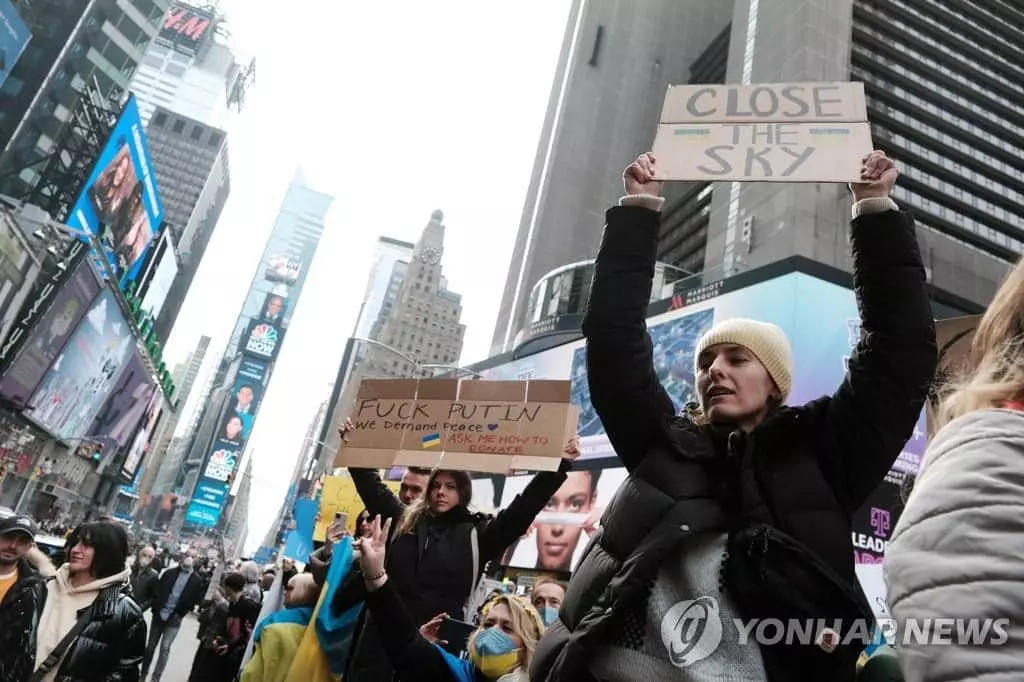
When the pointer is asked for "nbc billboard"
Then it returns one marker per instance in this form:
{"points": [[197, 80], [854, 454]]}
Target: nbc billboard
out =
{"points": [[120, 203], [262, 339]]}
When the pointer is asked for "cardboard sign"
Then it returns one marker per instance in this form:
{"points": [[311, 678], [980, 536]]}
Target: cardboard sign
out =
{"points": [[953, 337], [487, 426], [778, 132], [339, 495]]}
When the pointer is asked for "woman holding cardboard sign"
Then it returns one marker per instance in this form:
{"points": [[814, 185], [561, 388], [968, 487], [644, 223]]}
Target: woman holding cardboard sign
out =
{"points": [[738, 511], [439, 547]]}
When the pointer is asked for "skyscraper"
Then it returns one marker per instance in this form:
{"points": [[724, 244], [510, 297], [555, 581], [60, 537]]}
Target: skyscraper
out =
{"points": [[941, 80], [419, 324], [77, 47], [187, 71], [244, 374], [379, 288], [190, 160]]}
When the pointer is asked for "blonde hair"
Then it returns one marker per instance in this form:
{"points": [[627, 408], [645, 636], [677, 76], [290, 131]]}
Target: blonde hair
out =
{"points": [[994, 372], [526, 623]]}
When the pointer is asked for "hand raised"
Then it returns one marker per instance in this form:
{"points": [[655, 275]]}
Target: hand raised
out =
{"points": [[572, 448], [431, 630], [879, 174], [345, 428], [372, 548], [638, 178]]}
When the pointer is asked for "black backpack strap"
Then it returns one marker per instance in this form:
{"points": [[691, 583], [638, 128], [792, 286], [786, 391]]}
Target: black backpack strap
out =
{"points": [[58, 653]]}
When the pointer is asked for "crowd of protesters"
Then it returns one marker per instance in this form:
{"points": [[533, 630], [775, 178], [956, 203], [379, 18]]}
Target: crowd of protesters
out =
{"points": [[740, 505]]}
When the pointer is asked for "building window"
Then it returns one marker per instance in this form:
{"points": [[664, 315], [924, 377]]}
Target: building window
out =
{"points": [[160, 119], [214, 140], [596, 53], [179, 126]]}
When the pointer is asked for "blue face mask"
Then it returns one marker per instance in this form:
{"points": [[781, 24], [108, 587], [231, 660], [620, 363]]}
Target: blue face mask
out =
{"points": [[494, 642], [549, 615], [494, 653]]}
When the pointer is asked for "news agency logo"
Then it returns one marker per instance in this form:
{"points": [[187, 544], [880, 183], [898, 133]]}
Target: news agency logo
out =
{"points": [[262, 341], [692, 631]]}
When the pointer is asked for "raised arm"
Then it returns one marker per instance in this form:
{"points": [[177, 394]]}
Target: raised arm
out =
{"points": [[624, 388], [378, 498], [413, 657], [873, 413]]}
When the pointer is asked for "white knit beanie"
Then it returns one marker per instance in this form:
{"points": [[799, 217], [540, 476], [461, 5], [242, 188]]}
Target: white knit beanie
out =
{"points": [[766, 341]]}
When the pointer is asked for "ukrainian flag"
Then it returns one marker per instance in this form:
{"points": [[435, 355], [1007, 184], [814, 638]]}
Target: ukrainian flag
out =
{"points": [[431, 440], [323, 652]]}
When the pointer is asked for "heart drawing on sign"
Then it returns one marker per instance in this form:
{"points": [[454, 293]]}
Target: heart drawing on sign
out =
{"points": [[492, 427]]}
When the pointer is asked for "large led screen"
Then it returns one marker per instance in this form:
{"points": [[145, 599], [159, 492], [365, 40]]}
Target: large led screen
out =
{"points": [[142, 442], [14, 37], [47, 338], [120, 203], [81, 378], [212, 489], [118, 421]]}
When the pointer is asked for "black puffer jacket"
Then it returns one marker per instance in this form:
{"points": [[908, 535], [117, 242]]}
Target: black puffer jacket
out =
{"points": [[432, 567], [144, 583], [112, 645], [19, 616], [785, 492]]}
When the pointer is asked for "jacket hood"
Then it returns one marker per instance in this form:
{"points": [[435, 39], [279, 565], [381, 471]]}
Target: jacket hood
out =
{"points": [[64, 581]]}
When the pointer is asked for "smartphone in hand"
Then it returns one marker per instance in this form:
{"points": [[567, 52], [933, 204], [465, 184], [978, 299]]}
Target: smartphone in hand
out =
{"points": [[337, 528]]}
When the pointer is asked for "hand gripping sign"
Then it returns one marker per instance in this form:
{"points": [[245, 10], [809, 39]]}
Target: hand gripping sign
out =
{"points": [[486, 426], [773, 132]]}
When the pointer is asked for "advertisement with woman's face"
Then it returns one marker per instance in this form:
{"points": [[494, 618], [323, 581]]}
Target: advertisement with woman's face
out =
{"points": [[560, 533]]}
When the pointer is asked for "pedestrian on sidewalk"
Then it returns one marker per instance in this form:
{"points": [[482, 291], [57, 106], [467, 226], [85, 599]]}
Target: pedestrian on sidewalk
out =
{"points": [[177, 593], [221, 661], [739, 508], [24, 569], [90, 630], [144, 578], [957, 552]]}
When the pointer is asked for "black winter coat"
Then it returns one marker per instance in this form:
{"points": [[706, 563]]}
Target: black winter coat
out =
{"points": [[192, 595], [785, 492], [144, 582], [19, 618], [112, 645], [432, 569]]}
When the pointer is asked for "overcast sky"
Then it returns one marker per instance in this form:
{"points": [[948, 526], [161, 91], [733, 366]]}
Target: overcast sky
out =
{"points": [[396, 108]]}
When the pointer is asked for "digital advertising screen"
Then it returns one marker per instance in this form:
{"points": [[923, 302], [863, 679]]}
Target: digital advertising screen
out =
{"points": [[244, 401], [283, 269], [46, 339], [560, 533], [142, 442], [161, 279], [212, 489], [14, 37], [274, 308], [120, 202], [262, 340], [118, 420], [75, 387]]}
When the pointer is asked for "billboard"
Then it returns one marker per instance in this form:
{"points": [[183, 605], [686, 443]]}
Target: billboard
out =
{"points": [[120, 203], [212, 489], [79, 381], [118, 421], [262, 340], [560, 533], [274, 308], [44, 290], [44, 341], [161, 276], [187, 27], [244, 402], [142, 442], [14, 36], [283, 269]]}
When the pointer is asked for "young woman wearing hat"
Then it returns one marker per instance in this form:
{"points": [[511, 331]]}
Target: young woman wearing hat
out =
{"points": [[741, 508]]}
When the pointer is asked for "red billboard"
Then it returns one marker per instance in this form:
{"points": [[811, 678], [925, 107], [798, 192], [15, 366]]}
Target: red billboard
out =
{"points": [[187, 26]]}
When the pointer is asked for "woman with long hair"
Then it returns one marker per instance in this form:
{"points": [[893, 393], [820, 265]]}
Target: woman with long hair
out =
{"points": [[439, 547], [501, 648], [958, 552]]}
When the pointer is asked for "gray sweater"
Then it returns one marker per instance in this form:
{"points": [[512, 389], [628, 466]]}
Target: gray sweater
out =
{"points": [[958, 550], [686, 631]]}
